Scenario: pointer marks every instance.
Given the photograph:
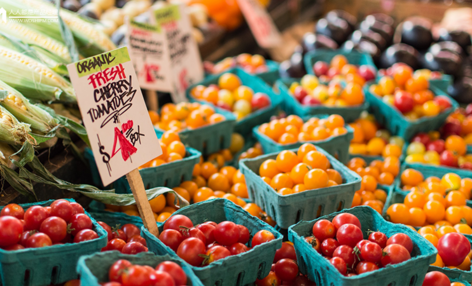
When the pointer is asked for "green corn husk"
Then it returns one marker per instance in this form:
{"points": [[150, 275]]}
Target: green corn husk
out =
{"points": [[33, 79], [39, 120], [11, 130]]}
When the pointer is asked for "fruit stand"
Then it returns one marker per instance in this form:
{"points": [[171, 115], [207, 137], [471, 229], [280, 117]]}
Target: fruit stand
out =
{"points": [[294, 142]]}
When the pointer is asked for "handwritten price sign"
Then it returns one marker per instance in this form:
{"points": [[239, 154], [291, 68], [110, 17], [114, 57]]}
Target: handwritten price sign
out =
{"points": [[112, 108], [261, 24]]}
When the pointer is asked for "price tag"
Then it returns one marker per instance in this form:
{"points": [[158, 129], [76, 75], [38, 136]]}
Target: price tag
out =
{"points": [[263, 28], [187, 67], [149, 52], [121, 134]]}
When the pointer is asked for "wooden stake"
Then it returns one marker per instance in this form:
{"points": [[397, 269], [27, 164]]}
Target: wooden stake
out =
{"points": [[152, 100], [137, 187]]}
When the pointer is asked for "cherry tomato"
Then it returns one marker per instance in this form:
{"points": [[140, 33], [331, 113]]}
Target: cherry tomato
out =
{"points": [[190, 249], [11, 229], [453, 248], [324, 229], [138, 238], [238, 248], [116, 244], [130, 230], [379, 238], [216, 253], [207, 230], [193, 232], [301, 280], [55, 227], [286, 251], [14, 247], [174, 270], [270, 280], [371, 252], [436, 145], [349, 234], [136, 275], [346, 253], [114, 274], [34, 216], [133, 247], [163, 279], [262, 236], [436, 278], [176, 221], [79, 222], [328, 246], [13, 210], [364, 267], [77, 208], [286, 269], [118, 233], [25, 235], [315, 243], [394, 254], [62, 209], [402, 239], [172, 238], [38, 240], [107, 228], [226, 233], [339, 264], [243, 234], [84, 235], [447, 158], [403, 101], [344, 218]]}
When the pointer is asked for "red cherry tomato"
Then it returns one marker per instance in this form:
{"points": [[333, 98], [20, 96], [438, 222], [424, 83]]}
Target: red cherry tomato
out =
{"points": [[138, 238], [344, 218], [174, 270], [190, 250], [453, 248], [243, 234], [328, 246], [346, 253], [55, 227], [379, 238], [194, 232], [238, 248], [25, 235], [118, 233], [216, 253], [394, 254], [114, 274], [80, 222], [339, 264], [107, 228], [286, 269], [315, 243], [364, 267], [349, 234], [402, 239], [38, 240], [403, 101], [62, 209], [163, 279], [14, 247], [34, 216], [270, 280], [447, 158], [77, 208], [324, 229], [371, 252], [437, 145], [226, 233], [207, 230], [136, 275], [262, 236], [176, 221], [13, 210], [116, 244], [172, 238], [422, 138], [286, 251], [130, 230], [133, 248], [11, 229], [84, 235], [436, 278], [260, 100]]}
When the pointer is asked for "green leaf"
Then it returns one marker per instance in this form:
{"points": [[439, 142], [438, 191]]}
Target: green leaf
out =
{"points": [[26, 154], [74, 127], [22, 186], [67, 35]]}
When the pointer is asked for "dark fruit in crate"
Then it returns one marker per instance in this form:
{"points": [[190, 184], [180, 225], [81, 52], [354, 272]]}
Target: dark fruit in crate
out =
{"points": [[312, 42], [369, 36], [89, 12], [400, 53], [462, 38], [446, 46], [451, 128], [371, 24], [364, 47], [350, 19], [416, 32], [71, 5], [337, 29], [461, 90], [384, 18], [444, 61], [293, 68], [119, 35]]}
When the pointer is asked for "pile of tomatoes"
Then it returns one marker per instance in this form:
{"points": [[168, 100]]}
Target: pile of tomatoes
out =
{"points": [[61, 222], [208, 242], [127, 239], [172, 150], [291, 172], [232, 95], [340, 68], [451, 152], [409, 93], [459, 123], [124, 273], [341, 242], [252, 64], [292, 129]]}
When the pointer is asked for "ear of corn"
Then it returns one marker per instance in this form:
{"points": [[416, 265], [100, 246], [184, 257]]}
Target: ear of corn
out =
{"points": [[39, 120], [11, 130], [33, 79], [5, 152]]}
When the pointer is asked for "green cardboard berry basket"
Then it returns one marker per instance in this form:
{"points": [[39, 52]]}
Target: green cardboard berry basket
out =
{"points": [[166, 175], [310, 204], [272, 74], [54, 264], [337, 146], [236, 270], [116, 219], [318, 269], [397, 124], [245, 125], [292, 106], [354, 58], [211, 138], [93, 269], [442, 83]]}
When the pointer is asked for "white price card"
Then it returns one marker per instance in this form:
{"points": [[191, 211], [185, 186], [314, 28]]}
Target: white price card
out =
{"points": [[187, 67], [263, 28], [121, 134], [149, 52]]}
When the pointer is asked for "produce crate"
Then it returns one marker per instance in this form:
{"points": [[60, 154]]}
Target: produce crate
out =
{"points": [[166, 175], [249, 141], [245, 125], [235, 270], [292, 106], [319, 269], [354, 58], [455, 273], [48, 265], [114, 219], [272, 75], [442, 83], [93, 269], [307, 205], [211, 138], [397, 124], [337, 146]]}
